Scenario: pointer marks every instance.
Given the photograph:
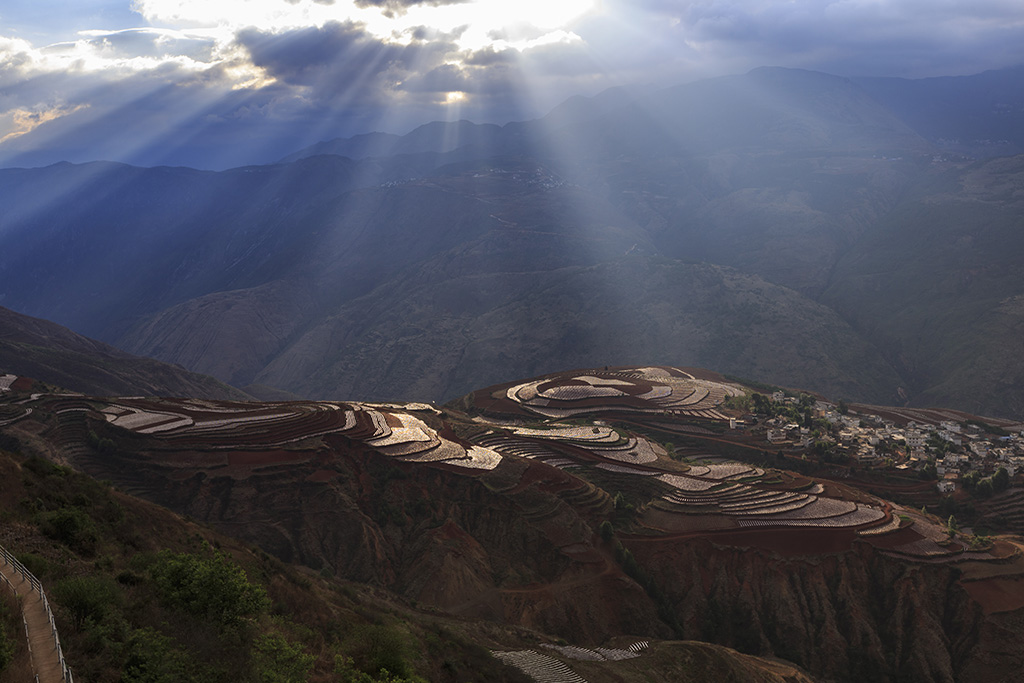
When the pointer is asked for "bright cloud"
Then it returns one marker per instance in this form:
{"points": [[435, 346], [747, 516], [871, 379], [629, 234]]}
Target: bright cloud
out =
{"points": [[22, 121], [481, 20]]}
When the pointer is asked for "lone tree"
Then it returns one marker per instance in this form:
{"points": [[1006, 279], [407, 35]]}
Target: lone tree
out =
{"points": [[1000, 480]]}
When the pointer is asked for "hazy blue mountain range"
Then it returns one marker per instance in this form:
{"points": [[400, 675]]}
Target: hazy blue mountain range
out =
{"points": [[787, 225], [980, 115]]}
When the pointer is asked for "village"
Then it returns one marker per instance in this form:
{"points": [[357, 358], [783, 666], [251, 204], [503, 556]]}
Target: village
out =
{"points": [[957, 453]]}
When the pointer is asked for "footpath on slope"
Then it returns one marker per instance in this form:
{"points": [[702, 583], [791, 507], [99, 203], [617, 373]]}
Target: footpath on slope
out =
{"points": [[47, 659]]}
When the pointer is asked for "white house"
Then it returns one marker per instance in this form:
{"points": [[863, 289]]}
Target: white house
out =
{"points": [[950, 426], [951, 437], [980, 448], [866, 453], [915, 439]]}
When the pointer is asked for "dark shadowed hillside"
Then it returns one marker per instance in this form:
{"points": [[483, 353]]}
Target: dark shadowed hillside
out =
{"points": [[435, 338], [938, 282], [56, 355]]}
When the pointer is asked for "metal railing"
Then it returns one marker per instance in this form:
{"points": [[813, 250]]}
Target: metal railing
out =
{"points": [[37, 587]]}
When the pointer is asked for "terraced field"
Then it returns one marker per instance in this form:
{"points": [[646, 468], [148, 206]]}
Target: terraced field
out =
{"points": [[206, 425], [933, 416], [544, 668], [707, 495], [641, 390], [540, 667], [715, 495], [1006, 509], [538, 420]]}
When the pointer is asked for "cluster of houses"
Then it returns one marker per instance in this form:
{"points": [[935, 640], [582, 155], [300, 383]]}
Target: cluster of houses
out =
{"points": [[977, 454], [869, 439]]}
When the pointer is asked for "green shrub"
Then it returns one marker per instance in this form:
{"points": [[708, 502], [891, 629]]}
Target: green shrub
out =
{"points": [[153, 658], [86, 598], [1000, 480], [70, 526], [41, 466], [213, 587], [36, 564], [275, 660], [129, 578], [6, 649], [377, 648], [347, 672]]}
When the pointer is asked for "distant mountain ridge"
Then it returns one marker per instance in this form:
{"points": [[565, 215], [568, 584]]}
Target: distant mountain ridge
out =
{"points": [[430, 137], [755, 109], [981, 115]]}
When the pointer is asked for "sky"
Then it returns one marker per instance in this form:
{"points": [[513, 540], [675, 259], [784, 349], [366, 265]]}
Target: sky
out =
{"points": [[221, 83]]}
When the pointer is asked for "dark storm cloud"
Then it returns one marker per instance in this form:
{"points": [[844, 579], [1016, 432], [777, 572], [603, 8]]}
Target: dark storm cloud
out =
{"points": [[488, 56], [342, 72], [23, 84], [339, 56], [428, 34], [342, 66], [301, 56]]}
